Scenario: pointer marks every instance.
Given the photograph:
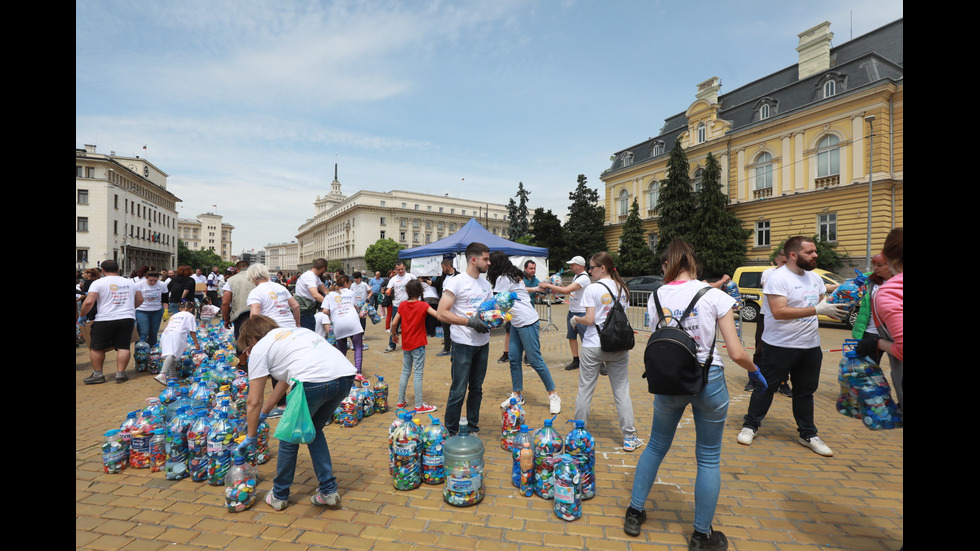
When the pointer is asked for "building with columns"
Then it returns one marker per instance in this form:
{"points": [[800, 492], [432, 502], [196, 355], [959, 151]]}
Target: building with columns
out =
{"points": [[794, 147], [123, 212], [342, 227], [205, 232]]}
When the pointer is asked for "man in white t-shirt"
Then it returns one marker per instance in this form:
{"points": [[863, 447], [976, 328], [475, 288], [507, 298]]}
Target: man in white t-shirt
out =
{"points": [[574, 291], [760, 326], [396, 288], [199, 278], [461, 298], [791, 342], [310, 292], [215, 281], [117, 299]]}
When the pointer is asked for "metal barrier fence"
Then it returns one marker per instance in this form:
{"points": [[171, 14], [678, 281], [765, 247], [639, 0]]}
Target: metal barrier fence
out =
{"points": [[637, 312], [544, 316]]}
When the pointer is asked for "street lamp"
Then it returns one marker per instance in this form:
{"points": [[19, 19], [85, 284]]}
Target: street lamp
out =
{"points": [[871, 142]]}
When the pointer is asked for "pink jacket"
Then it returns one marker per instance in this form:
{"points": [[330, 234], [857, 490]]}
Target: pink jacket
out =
{"points": [[888, 311]]}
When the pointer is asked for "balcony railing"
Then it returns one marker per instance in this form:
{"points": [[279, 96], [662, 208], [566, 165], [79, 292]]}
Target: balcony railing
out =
{"points": [[827, 181], [760, 193]]}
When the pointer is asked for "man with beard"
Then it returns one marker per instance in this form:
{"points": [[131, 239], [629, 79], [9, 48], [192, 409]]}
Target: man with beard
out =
{"points": [[791, 342]]}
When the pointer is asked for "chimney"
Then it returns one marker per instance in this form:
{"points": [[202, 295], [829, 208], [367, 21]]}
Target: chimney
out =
{"points": [[89, 148], [814, 50], [708, 90]]}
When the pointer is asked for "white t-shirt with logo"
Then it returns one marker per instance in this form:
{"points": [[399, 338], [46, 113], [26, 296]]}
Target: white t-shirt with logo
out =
{"points": [[297, 353], [700, 324], [151, 295], [360, 290], [303, 283], [596, 296], [523, 312], [397, 283], [274, 301], [800, 291], [343, 313], [117, 298], [575, 297], [468, 293], [173, 341]]}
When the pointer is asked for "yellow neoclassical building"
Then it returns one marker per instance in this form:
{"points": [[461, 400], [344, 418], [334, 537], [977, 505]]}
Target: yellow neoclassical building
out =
{"points": [[794, 148]]}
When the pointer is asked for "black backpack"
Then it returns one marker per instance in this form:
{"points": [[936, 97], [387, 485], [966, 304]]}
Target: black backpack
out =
{"points": [[615, 335], [671, 356]]}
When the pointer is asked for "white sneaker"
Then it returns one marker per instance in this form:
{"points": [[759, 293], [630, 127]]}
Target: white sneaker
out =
{"points": [[817, 445], [555, 403], [746, 436], [161, 378], [520, 400]]}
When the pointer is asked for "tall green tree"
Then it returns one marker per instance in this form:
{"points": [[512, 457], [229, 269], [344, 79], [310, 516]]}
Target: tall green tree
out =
{"points": [[518, 214], [546, 231], [382, 255], [677, 202], [720, 236], [635, 256], [584, 231], [199, 259]]}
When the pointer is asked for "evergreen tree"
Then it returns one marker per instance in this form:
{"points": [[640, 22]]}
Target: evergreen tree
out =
{"points": [[677, 202], [584, 231], [518, 214], [635, 256], [546, 231], [512, 219], [720, 237]]}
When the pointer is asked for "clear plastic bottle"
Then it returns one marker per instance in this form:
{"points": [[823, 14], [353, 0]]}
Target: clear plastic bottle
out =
{"points": [[127, 426], [240, 482], [851, 291], [115, 452], [221, 438], [547, 453], [141, 355], [512, 419], [523, 436], [380, 395], [197, 445], [154, 359], [158, 450], [433, 458], [580, 444], [401, 416], [525, 464], [406, 451], [367, 398], [465, 483], [171, 393], [139, 444], [176, 466], [567, 489]]}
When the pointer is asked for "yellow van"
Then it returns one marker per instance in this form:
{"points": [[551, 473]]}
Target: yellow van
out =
{"points": [[749, 281]]}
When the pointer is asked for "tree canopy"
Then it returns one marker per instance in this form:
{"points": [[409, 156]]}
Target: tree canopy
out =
{"points": [[382, 255]]}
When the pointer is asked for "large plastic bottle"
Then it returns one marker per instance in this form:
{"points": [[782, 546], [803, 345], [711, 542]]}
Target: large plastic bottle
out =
{"points": [[406, 450], [849, 292], [158, 450], [523, 436], [512, 418], [580, 444], [240, 482], [155, 359], [525, 462], [568, 489], [115, 452], [547, 453], [380, 395], [141, 355], [197, 444], [464, 469], [239, 389], [433, 458], [346, 414], [221, 438], [401, 416], [262, 451], [127, 426], [170, 394], [176, 465], [139, 444], [367, 398]]}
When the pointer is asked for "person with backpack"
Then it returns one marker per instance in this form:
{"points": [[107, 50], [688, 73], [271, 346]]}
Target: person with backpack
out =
{"points": [[598, 300], [704, 306]]}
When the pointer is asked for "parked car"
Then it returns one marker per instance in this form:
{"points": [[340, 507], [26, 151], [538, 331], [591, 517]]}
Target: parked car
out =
{"points": [[749, 281], [646, 284]]}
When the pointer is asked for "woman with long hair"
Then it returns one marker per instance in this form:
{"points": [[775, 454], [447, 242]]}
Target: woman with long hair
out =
{"points": [[889, 309], [710, 406], [597, 299], [339, 304], [525, 335]]}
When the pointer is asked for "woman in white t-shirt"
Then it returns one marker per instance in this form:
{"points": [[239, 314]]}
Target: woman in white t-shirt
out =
{"points": [[597, 299], [150, 312], [710, 406], [271, 299], [300, 354], [340, 306]]}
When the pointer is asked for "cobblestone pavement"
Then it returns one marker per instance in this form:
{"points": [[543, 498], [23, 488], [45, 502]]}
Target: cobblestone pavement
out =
{"points": [[776, 495]]}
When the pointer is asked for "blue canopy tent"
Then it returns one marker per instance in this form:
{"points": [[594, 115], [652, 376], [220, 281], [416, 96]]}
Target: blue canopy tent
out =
{"points": [[426, 259]]}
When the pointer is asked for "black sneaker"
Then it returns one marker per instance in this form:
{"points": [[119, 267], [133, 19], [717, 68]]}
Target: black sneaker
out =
{"points": [[633, 521], [94, 379], [504, 359], [785, 390], [714, 541], [573, 365], [748, 386], [602, 369]]}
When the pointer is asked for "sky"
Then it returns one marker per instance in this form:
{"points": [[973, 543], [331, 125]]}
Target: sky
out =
{"points": [[248, 105]]}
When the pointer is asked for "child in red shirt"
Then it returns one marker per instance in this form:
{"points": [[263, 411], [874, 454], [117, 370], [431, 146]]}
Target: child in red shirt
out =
{"points": [[412, 313]]}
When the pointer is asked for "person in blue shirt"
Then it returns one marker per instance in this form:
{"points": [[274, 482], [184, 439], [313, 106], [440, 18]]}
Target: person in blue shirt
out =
{"points": [[375, 283]]}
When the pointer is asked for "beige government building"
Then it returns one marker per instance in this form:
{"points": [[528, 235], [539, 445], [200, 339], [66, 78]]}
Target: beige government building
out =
{"points": [[207, 231], [342, 227]]}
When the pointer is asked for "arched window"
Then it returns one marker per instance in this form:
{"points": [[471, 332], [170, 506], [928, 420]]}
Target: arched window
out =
{"points": [[624, 203], [829, 88], [702, 133], [653, 194], [828, 156], [657, 149], [626, 158], [697, 179], [764, 111], [763, 171]]}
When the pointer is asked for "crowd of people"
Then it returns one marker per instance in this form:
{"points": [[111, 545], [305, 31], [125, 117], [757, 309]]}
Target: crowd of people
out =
{"points": [[280, 334]]}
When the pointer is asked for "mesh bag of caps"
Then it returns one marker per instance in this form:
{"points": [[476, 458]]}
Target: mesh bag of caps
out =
{"points": [[864, 391]]}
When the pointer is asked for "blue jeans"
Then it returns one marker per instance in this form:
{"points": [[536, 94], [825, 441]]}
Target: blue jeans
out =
{"points": [[322, 399], [469, 367], [148, 325], [412, 360], [308, 321], [527, 340], [710, 412], [394, 328]]}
